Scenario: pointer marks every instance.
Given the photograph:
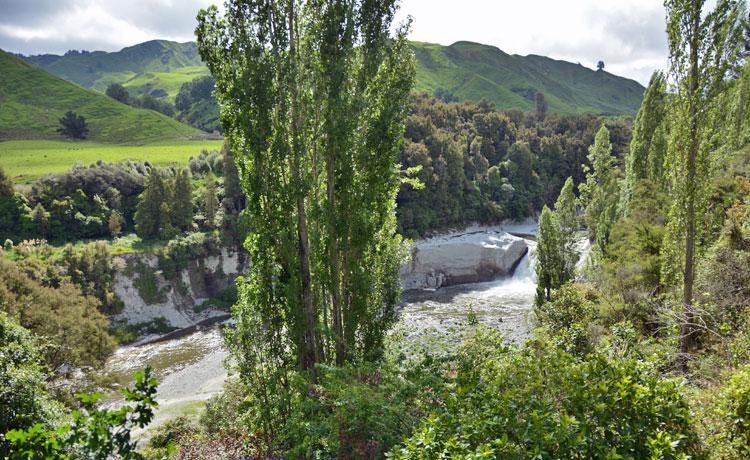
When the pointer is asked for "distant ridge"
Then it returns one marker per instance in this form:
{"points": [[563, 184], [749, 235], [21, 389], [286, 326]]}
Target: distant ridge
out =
{"points": [[472, 71], [463, 70], [32, 101], [155, 64]]}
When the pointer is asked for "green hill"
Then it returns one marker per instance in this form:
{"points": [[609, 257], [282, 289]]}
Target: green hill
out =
{"points": [[468, 71], [143, 68], [32, 101], [471, 71]]}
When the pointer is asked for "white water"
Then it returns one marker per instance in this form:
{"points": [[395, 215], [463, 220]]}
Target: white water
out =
{"points": [[505, 304]]}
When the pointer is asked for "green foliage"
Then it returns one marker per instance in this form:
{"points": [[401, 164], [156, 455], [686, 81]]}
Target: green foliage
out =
{"points": [[550, 266], [565, 209], [197, 105], [481, 165], [631, 264], [22, 381], [735, 409], [118, 92], [90, 268], [73, 126], [152, 218], [131, 332], [544, 403], [147, 285], [567, 318], [600, 192], [182, 201], [210, 201], [354, 412], [207, 162], [70, 323], [648, 148], [92, 432], [6, 185], [115, 224], [176, 255]]}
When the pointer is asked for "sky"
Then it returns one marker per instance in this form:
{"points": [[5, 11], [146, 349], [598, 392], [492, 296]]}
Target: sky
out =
{"points": [[627, 35]]}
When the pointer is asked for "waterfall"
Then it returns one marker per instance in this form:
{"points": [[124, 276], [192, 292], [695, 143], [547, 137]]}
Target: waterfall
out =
{"points": [[525, 271]]}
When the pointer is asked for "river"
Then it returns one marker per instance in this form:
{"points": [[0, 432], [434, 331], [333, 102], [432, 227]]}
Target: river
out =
{"points": [[190, 369]]}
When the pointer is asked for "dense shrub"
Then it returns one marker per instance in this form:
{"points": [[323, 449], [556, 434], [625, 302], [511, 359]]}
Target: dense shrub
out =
{"points": [[68, 321], [90, 268], [567, 318], [23, 398], [181, 250], [541, 402], [92, 432], [207, 162]]}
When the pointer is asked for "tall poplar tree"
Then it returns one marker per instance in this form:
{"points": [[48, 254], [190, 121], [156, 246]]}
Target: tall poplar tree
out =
{"points": [[702, 47], [182, 204], [600, 194], [313, 96], [549, 262], [148, 217], [648, 146], [565, 213]]}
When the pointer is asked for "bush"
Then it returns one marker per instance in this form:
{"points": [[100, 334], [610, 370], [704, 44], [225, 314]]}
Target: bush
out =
{"points": [[22, 393], [90, 268], [567, 318], [354, 412], [181, 250], [147, 285], [69, 321], [736, 410], [92, 432], [542, 402]]}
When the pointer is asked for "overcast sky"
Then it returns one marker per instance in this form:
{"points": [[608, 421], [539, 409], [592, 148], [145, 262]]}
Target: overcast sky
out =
{"points": [[627, 35]]}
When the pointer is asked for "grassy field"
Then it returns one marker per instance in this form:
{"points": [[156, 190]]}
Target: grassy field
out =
{"points": [[28, 160], [167, 81], [32, 101]]}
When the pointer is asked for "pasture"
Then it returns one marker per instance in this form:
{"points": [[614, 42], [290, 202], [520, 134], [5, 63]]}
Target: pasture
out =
{"points": [[27, 160]]}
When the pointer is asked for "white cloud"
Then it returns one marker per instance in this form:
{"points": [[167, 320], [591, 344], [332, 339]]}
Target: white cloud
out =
{"points": [[628, 36]]}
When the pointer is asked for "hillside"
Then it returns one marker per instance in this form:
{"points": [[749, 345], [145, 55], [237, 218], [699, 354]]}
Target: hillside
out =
{"points": [[32, 101], [142, 68], [471, 71], [468, 71]]}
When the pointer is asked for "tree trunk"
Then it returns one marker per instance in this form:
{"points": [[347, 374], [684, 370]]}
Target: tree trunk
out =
{"points": [[686, 332], [335, 268], [310, 353]]}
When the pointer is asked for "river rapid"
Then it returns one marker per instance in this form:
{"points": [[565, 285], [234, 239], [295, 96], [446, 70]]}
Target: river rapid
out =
{"points": [[190, 369]]}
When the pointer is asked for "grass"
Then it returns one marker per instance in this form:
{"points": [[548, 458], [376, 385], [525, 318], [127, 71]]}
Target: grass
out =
{"points": [[32, 101], [167, 81], [27, 160], [471, 71]]}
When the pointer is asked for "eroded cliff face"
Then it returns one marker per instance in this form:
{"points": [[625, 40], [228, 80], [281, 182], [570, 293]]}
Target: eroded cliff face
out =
{"points": [[149, 296], [179, 301], [462, 257]]}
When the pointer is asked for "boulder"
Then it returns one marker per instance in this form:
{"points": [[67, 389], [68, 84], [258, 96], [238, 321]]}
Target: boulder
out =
{"points": [[461, 258]]}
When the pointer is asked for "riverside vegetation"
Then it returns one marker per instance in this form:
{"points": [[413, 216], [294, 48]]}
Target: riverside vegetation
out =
{"points": [[644, 355]]}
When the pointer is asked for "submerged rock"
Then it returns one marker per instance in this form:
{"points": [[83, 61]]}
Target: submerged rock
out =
{"points": [[462, 258]]}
